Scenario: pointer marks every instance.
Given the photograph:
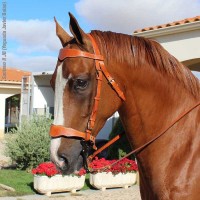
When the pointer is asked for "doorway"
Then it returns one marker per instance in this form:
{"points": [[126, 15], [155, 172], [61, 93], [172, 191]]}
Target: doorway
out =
{"points": [[12, 112]]}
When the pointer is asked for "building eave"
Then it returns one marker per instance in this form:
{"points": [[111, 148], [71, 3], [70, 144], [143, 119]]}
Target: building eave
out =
{"points": [[169, 30], [42, 73], [10, 84]]}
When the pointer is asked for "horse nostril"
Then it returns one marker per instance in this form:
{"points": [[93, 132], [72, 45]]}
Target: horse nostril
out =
{"points": [[63, 158], [63, 162]]}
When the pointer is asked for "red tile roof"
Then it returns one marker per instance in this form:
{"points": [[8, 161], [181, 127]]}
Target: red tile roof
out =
{"points": [[184, 21], [13, 74]]}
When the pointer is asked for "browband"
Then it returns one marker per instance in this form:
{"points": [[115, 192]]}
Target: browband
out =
{"points": [[74, 53]]}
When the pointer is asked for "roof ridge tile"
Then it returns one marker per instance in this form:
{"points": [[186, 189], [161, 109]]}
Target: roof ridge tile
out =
{"points": [[175, 23]]}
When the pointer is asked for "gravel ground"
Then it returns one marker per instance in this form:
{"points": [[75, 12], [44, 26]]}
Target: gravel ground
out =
{"points": [[131, 193]]}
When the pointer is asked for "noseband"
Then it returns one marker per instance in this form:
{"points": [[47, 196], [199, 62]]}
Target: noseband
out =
{"points": [[59, 130]]}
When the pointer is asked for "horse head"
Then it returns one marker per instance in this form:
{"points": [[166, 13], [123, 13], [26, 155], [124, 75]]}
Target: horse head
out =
{"points": [[80, 109]]}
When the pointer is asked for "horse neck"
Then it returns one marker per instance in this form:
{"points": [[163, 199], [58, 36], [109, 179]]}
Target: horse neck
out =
{"points": [[153, 101]]}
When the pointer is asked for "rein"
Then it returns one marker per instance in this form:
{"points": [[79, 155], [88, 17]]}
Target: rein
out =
{"points": [[139, 149]]}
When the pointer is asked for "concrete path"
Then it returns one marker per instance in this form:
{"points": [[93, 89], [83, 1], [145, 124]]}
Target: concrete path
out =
{"points": [[131, 193]]}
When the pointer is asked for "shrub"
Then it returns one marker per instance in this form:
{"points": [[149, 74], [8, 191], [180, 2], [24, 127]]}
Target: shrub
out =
{"points": [[121, 147], [30, 144]]}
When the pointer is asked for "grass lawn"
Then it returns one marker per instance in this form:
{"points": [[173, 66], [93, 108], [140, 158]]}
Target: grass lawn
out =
{"points": [[22, 182]]}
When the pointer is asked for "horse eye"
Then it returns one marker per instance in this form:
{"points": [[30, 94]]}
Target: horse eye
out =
{"points": [[80, 84]]}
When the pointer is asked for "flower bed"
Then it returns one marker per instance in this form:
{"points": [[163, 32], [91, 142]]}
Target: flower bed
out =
{"points": [[47, 179], [115, 167], [109, 174]]}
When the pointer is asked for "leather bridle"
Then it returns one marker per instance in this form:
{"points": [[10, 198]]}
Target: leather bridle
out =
{"points": [[59, 130]]}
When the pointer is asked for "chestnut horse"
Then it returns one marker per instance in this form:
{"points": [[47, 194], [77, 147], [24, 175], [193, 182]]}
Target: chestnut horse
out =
{"points": [[157, 90]]}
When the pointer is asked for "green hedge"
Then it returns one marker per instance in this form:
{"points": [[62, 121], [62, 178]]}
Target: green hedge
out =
{"points": [[121, 147], [29, 145]]}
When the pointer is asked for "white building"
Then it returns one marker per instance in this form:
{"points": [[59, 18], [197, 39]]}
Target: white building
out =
{"points": [[10, 93], [180, 38], [42, 94]]}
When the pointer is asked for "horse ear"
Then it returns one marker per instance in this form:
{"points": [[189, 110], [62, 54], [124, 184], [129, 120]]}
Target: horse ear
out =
{"points": [[61, 33], [80, 36]]}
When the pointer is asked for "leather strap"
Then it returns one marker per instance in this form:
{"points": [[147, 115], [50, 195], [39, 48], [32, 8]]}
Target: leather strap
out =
{"points": [[101, 67], [58, 130], [104, 146], [74, 53], [112, 82], [99, 76]]}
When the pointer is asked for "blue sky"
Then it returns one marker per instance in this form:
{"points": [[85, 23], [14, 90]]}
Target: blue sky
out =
{"points": [[28, 13], [37, 9], [31, 40], [26, 10], [42, 10]]}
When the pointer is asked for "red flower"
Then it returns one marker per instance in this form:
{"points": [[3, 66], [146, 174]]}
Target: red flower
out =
{"points": [[102, 165], [49, 169], [81, 172]]}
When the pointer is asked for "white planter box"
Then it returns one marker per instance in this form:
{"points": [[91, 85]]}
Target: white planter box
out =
{"points": [[105, 180], [58, 183]]}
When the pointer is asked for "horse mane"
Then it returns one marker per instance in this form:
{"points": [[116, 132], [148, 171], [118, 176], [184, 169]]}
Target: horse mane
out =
{"points": [[140, 51]]}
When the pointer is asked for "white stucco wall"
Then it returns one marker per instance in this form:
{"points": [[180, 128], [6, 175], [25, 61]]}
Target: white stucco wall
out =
{"points": [[42, 93], [43, 97], [182, 41], [184, 46]]}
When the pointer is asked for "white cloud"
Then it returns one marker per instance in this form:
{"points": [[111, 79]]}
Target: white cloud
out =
{"points": [[33, 35], [31, 63], [128, 15]]}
